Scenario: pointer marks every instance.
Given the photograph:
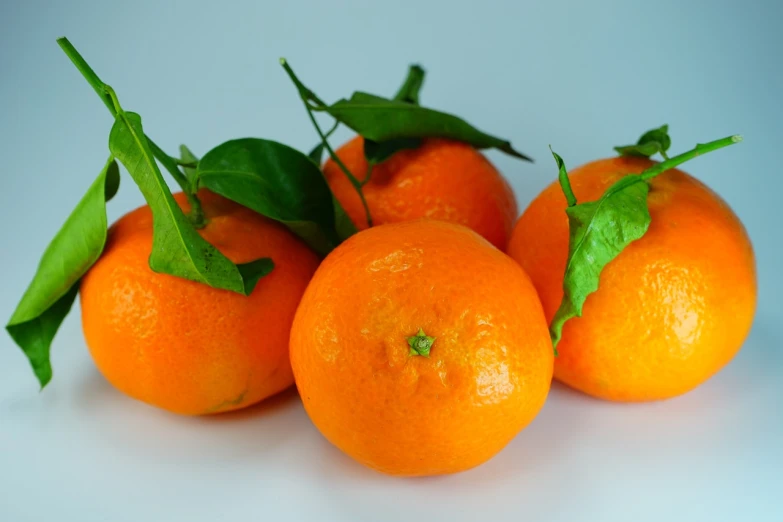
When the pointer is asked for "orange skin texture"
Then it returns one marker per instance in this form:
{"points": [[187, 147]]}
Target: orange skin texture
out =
{"points": [[671, 310], [488, 372], [183, 346], [444, 180]]}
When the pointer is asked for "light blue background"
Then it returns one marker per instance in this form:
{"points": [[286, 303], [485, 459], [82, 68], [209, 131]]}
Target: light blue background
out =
{"points": [[582, 76]]}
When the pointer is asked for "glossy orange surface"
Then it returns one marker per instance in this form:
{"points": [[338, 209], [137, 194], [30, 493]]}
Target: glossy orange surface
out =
{"points": [[445, 180], [671, 310], [184, 346], [489, 368]]}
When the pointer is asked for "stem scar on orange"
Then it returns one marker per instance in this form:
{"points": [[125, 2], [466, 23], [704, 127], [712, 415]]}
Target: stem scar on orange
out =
{"points": [[183, 346], [420, 349], [672, 308]]}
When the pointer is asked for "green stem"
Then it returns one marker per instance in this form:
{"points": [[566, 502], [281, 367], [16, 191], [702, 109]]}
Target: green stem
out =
{"points": [[700, 149], [186, 164], [368, 175], [307, 95], [565, 185], [409, 91], [562, 176], [109, 98], [196, 214], [333, 129], [420, 344], [89, 75], [357, 185]]}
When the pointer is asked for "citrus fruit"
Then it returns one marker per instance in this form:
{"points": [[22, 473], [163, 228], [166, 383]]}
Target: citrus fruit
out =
{"points": [[670, 311], [183, 346], [420, 349], [442, 179]]}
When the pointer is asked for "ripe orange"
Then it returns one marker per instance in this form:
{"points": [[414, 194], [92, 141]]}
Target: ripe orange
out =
{"points": [[184, 346], [377, 301], [671, 310], [444, 180]]}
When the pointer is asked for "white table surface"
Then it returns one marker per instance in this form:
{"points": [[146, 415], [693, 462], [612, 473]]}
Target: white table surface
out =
{"points": [[581, 75]]}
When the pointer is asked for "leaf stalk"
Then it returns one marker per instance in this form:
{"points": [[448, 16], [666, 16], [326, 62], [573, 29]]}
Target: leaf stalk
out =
{"points": [[109, 98], [307, 95]]}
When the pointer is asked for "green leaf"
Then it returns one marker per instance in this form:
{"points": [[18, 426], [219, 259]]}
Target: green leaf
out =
{"points": [[409, 91], [342, 223], [177, 249], [599, 231], [376, 152], [190, 172], [276, 181], [253, 271], [379, 119], [317, 154], [655, 141], [70, 254], [562, 176]]}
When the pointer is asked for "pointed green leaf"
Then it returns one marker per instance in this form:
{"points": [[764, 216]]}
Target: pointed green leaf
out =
{"points": [[599, 231], [71, 253], [317, 154], [342, 223], [276, 181], [177, 249], [380, 119], [409, 91], [377, 152], [655, 141], [190, 172], [253, 271], [562, 176]]}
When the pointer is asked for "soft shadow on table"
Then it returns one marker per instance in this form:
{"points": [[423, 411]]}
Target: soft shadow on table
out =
{"points": [[568, 415], [250, 433], [277, 433], [94, 391], [521, 467], [285, 399], [543, 440]]}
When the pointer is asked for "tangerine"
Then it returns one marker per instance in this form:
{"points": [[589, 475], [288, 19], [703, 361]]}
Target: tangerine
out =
{"points": [[183, 346], [670, 311], [420, 349], [442, 179]]}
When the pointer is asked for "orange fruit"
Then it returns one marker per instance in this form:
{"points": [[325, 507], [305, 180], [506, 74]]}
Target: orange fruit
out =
{"points": [[670, 311], [444, 180], [375, 303], [183, 346]]}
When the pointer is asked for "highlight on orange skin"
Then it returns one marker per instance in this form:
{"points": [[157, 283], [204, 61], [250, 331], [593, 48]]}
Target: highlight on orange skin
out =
{"points": [[183, 346], [489, 359], [442, 179], [671, 310]]}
